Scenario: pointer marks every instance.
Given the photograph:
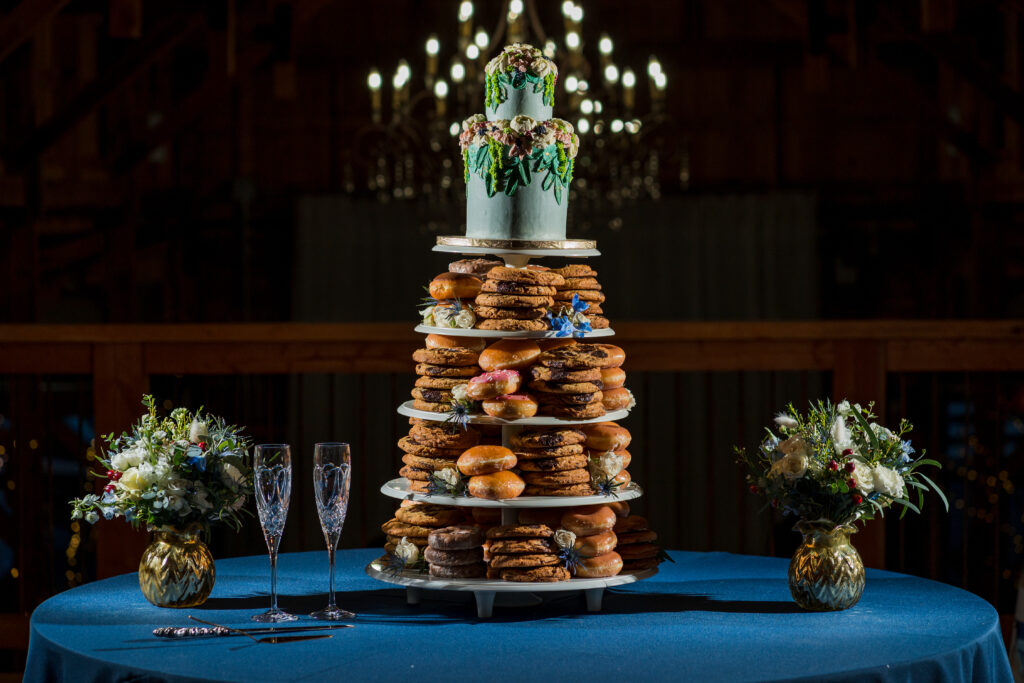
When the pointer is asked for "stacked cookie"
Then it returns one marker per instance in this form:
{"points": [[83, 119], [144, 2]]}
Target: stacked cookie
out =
{"points": [[430, 447], [581, 280], [636, 544], [595, 540], [415, 521], [516, 299], [567, 379], [609, 437], [440, 370], [552, 462], [524, 552], [455, 552]]}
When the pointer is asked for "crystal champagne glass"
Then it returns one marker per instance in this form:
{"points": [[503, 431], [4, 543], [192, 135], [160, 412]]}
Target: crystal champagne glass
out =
{"points": [[332, 469], [272, 473]]}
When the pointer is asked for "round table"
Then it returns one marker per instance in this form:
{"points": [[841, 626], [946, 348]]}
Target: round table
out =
{"points": [[709, 616]]}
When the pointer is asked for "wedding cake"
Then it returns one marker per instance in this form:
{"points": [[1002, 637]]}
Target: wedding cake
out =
{"points": [[518, 159]]}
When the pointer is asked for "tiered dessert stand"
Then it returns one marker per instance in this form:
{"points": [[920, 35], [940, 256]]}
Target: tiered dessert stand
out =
{"points": [[485, 590]]}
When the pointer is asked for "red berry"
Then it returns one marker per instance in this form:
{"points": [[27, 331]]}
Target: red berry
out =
{"points": [[851, 482], [850, 467], [202, 445], [848, 451], [753, 489], [116, 476], [833, 465], [857, 499], [109, 488], [775, 502]]}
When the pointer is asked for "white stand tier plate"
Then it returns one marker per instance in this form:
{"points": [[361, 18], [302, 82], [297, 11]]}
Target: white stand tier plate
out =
{"points": [[399, 488], [509, 334], [517, 255], [485, 589], [538, 421]]}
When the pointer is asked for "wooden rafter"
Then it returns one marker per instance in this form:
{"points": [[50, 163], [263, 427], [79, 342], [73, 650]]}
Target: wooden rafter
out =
{"points": [[20, 25]]}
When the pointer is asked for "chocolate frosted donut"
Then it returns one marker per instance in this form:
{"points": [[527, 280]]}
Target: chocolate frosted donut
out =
{"points": [[453, 558], [455, 538], [460, 571]]}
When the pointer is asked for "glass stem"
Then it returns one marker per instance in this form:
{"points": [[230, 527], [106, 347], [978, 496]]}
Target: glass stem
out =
{"points": [[273, 581], [330, 555]]}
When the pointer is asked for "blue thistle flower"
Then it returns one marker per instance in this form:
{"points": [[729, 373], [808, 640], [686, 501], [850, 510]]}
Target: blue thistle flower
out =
{"points": [[577, 305]]}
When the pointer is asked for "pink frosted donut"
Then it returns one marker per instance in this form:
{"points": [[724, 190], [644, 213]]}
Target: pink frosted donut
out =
{"points": [[493, 384]]}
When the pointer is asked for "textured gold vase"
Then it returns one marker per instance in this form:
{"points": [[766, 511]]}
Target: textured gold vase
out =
{"points": [[826, 573], [177, 568]]}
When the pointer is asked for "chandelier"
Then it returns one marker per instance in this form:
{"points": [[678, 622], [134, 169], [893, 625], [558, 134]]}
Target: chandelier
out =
{"points": [[409, 149]]}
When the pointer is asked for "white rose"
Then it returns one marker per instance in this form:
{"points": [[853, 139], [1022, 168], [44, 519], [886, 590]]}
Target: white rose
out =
{"points": [[132, 480], [231, 476], [522, 124], [794, 445], [120, 461], [574, 147], [546, 138], [448, 475], [562, 124], [428, 315], [607, 464], [200, 501], [464, 319], [498, 64], [881, 432], [542, 66], [459, 392], [632, 400], [199, 431], [844, 408], [474, 119], [889, 482], [865, 477], [792, 467], [406, 551], [786, 421], [565, 539], [443, 316]]}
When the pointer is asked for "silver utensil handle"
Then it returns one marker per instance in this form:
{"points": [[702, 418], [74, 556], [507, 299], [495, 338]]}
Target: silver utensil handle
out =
{"points": [[190, 631]]}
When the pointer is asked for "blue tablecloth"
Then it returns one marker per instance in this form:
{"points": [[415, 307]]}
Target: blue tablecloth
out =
{"points": [[709, 617]]}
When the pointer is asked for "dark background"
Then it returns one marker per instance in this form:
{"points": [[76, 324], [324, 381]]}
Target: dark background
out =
{"points": [[205, 163]]}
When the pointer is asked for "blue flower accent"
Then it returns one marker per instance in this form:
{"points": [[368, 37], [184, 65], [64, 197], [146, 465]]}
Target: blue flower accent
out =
{"points": [[108, 498], [130, 515], [577, 305], [906, 451], [196, 461]]}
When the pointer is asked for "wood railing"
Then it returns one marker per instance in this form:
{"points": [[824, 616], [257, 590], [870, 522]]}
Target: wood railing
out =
{"points": [[121, 359]]}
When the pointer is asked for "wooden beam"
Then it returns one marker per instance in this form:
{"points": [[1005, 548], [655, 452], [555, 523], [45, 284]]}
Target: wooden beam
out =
{"points": [[21, 24]]}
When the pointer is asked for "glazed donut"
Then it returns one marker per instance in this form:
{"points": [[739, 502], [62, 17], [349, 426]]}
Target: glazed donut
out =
{"points": [[510, 407], [599, 567], [616, 356], [607, 436], [497, 486], [620, 508], [624, 454], [509, 354], [455, 286], [493, 384], [611, 378], [556, 343], [622, 478], [486, 460], [589, 520], [598, 544], [616, 399], [443, 341]]}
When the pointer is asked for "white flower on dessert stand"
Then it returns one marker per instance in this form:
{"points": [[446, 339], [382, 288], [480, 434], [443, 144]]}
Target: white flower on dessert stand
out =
{"points": [[460, 392], [449, 475], [607, 465], [864, 475], [522, 124], [473, 120], [889, 482], [406, 551], [464, 319], [565, 539]]}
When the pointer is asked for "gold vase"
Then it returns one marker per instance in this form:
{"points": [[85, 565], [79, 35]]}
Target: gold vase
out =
{"points": [[826, 573], [177, 569]]}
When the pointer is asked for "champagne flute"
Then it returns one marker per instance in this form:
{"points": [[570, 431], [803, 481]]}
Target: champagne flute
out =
{"points": [[332, 469], [272, 473]]}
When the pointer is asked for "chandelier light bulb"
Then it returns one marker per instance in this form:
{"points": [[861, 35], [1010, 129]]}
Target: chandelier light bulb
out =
{"points": [[441, 90], [433, 46], [617, 125], [660, 80], [577, 13], [398, 81], [403, 70], [628, 78], [611, 73], [587, 107], [374, 80], [472, 52], [481, 39], [572, 40], [605, 45], [515, 8], [453, 129], [653, 67], [458, 72], [567, 8], [583, 86], [598, 106], [583, 126], [571, 83], [465, 10], [549, 49]]}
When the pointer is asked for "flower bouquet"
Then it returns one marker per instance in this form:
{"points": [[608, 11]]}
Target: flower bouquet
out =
{"points": [[176, 475], [831, 467]]}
